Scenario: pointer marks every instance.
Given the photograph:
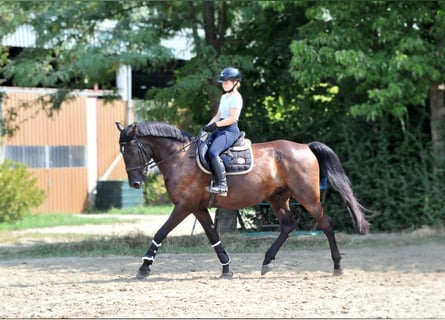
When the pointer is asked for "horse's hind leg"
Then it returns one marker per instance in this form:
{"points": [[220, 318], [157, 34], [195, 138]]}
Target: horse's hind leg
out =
{"points": [[206, 222], [325, 224], [287, 225]]}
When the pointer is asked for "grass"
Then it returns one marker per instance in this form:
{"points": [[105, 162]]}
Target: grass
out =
{"points": [[44, 220], [52, 220], [136, 244], [47, 220], [155, 210]]}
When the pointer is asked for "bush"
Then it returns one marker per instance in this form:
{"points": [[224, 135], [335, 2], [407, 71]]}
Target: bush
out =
{"points": [[154, 191], [18, 191], [391, 173]]}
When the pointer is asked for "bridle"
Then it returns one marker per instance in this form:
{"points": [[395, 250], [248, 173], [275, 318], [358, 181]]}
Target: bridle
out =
{"points": [[148, 162], [143, 154]]}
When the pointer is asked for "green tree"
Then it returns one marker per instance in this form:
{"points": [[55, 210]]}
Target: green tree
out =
{"points": [[386, 57], [79, 44], [194, 96], [82, 43]]}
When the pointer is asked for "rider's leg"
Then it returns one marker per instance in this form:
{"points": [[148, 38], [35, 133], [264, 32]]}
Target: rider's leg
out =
{"points": [[220, 173], [219, 144]]}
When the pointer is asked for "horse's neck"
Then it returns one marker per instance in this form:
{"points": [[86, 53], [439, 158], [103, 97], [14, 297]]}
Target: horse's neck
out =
{"points": [[164, 150]]}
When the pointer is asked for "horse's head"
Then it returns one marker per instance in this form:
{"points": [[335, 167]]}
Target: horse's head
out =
{"points": [[136, 156]]}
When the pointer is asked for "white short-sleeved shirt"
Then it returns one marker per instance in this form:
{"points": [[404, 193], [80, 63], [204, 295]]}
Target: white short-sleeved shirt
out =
{"points": [[228, 102]]}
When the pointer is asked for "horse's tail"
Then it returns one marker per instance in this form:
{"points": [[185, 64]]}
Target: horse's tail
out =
{"points": [[330, 167]]}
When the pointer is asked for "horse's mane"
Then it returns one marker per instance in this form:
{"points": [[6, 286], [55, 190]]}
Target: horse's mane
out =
{"points": [[162, 130]]}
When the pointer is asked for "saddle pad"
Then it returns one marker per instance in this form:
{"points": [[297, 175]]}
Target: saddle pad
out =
{"points": [[236, 162]]}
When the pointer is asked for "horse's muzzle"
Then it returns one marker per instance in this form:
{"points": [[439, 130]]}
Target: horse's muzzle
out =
{"points": [[137, 184], [137, 181]]}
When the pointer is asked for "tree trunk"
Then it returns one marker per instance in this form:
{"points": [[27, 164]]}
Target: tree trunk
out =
{"points": [[215, 26], [226, 220], [437, 106]]}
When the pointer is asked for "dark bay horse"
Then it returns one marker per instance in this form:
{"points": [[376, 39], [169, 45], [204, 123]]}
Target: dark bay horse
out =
{"points": [[282, 169]]}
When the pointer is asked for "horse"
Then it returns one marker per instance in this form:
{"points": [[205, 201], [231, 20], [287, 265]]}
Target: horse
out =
{"points": [[282, 169]]}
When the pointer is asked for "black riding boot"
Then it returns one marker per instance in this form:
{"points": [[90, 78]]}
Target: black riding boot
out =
{"points": [[220, 173]]}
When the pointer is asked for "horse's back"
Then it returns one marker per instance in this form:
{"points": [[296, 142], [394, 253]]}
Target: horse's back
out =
{"points": [[290, 149], [279, 144], [289, 160]]}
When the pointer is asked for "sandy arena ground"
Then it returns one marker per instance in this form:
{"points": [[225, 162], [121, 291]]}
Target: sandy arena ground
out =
{"points": [[381, 282]]}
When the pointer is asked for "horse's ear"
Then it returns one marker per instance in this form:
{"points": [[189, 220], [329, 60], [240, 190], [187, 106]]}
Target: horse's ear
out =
{"points": [[119, 126]]}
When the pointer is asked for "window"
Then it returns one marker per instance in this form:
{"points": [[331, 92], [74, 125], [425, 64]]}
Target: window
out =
{"points": [[47, 156]]}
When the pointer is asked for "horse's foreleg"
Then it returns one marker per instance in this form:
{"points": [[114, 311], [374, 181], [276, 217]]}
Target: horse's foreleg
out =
{"points": [[287, 225], [161, 234], [148, 259], [209, 228]]}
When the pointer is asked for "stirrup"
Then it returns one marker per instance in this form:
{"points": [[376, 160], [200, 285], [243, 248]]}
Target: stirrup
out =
{"points": [[218, 190]]}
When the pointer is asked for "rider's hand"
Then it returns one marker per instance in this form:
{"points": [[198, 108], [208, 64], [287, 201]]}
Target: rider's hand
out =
{"points": [[210, 127]]}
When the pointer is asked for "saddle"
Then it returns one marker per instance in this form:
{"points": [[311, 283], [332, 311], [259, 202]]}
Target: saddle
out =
{"points": [[237, 159]]}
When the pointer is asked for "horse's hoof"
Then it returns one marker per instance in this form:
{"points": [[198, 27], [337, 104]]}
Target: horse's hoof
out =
{"points": [[338, 272], [226, 275], [266, 268], [142, 274]]}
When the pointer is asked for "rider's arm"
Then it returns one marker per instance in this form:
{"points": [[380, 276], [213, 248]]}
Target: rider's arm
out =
{"points": [[234, 115]]}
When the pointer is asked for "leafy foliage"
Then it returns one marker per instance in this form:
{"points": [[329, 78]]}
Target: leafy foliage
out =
{"points": [[390, 170], [384, 47], [80, 44], [386, 59], [19, 192], [154, 190]]}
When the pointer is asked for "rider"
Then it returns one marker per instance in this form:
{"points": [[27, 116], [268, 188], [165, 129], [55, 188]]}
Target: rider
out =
{"points": [[224, 126]]}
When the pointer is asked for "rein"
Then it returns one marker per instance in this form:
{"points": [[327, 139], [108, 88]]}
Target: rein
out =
{"points": [[150, 163]]}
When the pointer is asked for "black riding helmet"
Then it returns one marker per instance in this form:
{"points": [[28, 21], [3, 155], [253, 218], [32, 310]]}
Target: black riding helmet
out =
{"points": [[230, 73]]}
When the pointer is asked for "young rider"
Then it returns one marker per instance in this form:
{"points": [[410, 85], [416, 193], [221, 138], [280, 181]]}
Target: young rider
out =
{"points": [[224, 126]]}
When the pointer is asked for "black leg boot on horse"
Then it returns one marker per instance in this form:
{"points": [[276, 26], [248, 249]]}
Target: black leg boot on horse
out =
{"points": [[220, 172]]}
